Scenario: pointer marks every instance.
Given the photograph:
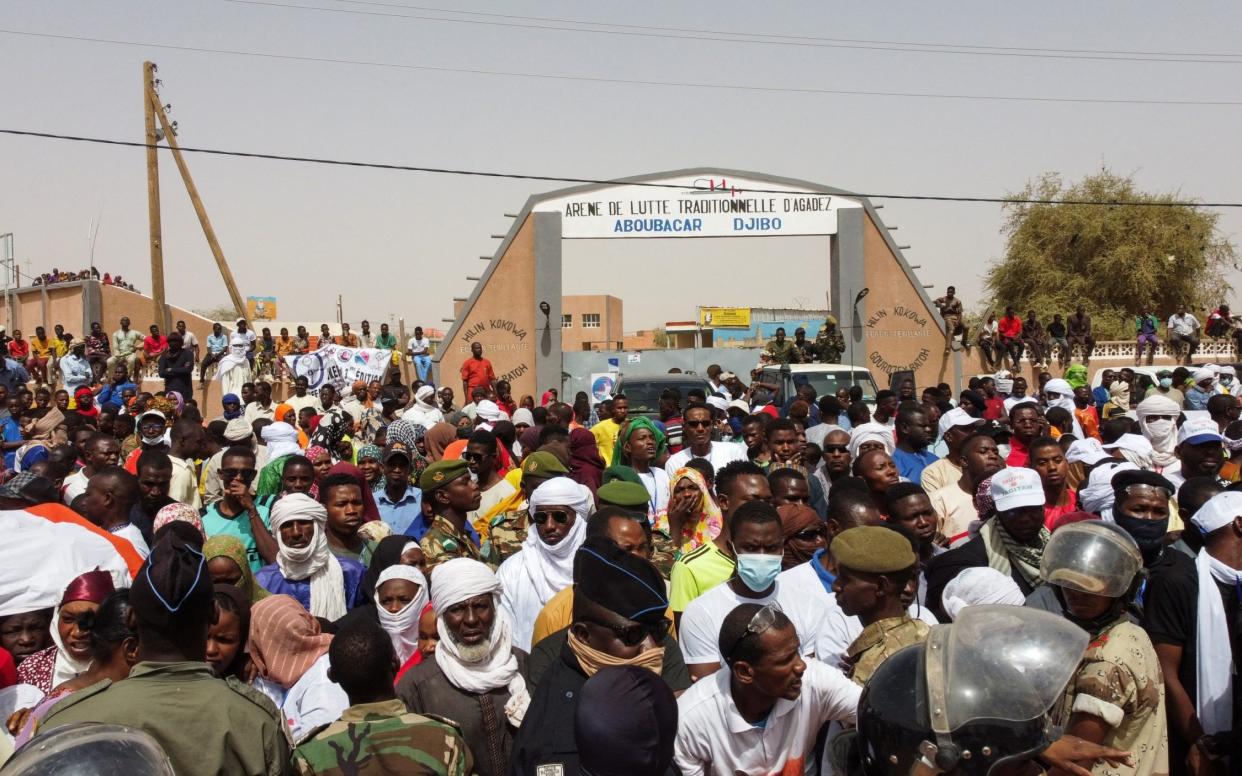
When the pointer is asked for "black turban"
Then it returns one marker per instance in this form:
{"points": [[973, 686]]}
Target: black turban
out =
{"points": [[625, 723], [1124, 479], [618, 581], [173, 586]]}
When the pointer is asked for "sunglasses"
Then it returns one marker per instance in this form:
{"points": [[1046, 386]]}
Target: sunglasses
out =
{"points": [[696, 423], [764, 619], [809, 535], [835, 449], [543, 515], [633, 635], [473, 457], [245, 475]]}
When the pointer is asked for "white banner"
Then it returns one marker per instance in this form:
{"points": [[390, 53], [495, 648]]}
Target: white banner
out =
{"points": [[340, 366], [696, 206]]}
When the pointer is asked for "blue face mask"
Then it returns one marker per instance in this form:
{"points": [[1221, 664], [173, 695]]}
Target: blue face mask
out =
{"points": [[758, 571], [1166, 382]]}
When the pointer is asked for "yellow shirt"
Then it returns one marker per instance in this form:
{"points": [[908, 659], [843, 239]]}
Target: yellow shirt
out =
{"points": [[605, 433], [558, 613], [40, 348], [60, 346]]}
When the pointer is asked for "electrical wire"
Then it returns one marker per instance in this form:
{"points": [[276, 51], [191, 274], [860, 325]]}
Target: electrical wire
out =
{"points": [[629, 81], [602, 181], [787, 36], [903, 48]]}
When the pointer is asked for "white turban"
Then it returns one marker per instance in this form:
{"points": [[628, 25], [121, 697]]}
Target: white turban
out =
{"points": [[1097, 495], [490, 411], [979, 586], [561, 491], [281, 439], [1219, 511], [1059, 386], [1135, 449], [550, 568], [871, 432], [314, 561], [523, 416], [425, 395], [458, 580], [402, 626], [1157, 404], [238, 430], [1204, 374], [1162, 433]]}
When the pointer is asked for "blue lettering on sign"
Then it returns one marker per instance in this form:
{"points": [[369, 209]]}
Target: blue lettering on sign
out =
{"points": [[756, 224], [627, 225]]}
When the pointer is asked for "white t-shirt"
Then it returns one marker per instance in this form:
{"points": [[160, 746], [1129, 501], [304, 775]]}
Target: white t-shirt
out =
{"points": [[298, 402], [419, 347], [656, 482], [720, 455], [699, 632], [713, 738], [131, 534], [956, 508], [73, 486], [1183, 324], [189, 341], [313, 701]]}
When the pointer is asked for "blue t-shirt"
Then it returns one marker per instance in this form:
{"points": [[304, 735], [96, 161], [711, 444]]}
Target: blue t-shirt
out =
{"points": [[911, 465], [404, 516], [215, 524]]}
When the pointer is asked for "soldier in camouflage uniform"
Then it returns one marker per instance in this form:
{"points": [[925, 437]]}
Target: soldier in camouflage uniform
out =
{"points": [[781, 350], [376, 735], [829, 342], [450, 495], [874, 566], [506, 530], [633, 497]]}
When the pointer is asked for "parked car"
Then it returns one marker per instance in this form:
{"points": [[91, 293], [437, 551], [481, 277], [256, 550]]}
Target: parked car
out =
{"points": [[643, 391], [826, 379]]}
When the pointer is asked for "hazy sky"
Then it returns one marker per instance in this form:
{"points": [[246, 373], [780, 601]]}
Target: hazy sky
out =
{"points": [[401, 243]]}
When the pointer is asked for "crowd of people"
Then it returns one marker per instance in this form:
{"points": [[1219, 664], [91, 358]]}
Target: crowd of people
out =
{"points": [[60, 276], [380, 580], [1003, 341]]}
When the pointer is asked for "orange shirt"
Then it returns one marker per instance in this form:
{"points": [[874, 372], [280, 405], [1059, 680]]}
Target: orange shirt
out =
{"points": [[1089, 421], [477, 373]]}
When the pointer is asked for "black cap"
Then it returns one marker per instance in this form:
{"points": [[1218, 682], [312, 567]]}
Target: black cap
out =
{"points": [[619, 581], [173, 585]]}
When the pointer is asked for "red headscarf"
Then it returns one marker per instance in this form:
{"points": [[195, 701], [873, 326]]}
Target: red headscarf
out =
{"points": [[93, 412], [93, 586]]}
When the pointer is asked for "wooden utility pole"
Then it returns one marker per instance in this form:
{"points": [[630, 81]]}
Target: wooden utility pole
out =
{"points": [[405, 367], [154, 106], [160, 311]]}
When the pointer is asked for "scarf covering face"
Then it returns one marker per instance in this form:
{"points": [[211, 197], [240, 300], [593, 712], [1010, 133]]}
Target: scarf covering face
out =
{"points": [[284, 640], [1119, 394], [234, 399], [585, 464], [402, 626], [708, 521], [461, 579], [980, 586], [281, 440], [387, 553], [1076, 375], [94, 586], [1006, 553], [1061, 394], [314, 561], [632, 425], [224, 546], [591, 660], [550, 568], [1161, 433], [796, 518]]}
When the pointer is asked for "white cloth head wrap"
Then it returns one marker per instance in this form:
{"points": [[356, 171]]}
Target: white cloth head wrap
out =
{"points": [[1204, 374], [402, 626], [281, 439], [979, 586], [1161, 433], [458, 580], [1218, 511], [425, 397], [1097, 495], [1135, 449], [314, 561], [550, 568], [872, 432], [523, 415], [238, 430], [490, 411], [1213, 667], [1060, 387]]}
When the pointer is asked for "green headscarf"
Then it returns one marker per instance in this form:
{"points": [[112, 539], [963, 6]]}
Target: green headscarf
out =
{"points": [[271, 477], [632, 425], [225, 546], [1076, 376]]}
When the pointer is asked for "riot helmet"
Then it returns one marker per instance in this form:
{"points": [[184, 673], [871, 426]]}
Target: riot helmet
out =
{"points": [[973, 697], [1093, 557], [90, 749]]}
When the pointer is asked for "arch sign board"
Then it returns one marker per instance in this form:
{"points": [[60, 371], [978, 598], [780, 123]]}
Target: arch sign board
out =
{"points": [[696, 206]]}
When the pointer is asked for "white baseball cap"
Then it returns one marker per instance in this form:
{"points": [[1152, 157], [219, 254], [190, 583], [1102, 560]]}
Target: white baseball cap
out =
{"points": [[958, 417], [1196, 431], [1132, 442], [1013, 488]]}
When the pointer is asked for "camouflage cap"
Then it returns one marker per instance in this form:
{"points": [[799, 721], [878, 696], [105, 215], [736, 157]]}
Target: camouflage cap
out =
{"points": [[441, 473]]}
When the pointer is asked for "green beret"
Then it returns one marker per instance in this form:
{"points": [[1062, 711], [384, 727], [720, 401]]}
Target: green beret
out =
{"points": [[441, 473], [873, 549], [540, 464], [617, 472], [623, 494]]}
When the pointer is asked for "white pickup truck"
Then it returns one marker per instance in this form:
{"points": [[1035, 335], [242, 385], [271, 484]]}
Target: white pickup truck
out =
{"points": [[826, 379]]}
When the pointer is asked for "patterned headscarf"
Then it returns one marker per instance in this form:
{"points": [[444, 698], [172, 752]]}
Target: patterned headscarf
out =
{"points": [[285, 639], [225, 546], [178, 511], [708, 522]]}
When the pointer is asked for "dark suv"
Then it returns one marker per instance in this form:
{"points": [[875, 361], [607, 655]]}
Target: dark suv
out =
{"points": [[643, 391]]}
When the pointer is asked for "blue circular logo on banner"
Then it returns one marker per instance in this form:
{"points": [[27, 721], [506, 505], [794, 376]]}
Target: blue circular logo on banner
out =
{"points": [[601, 387]]}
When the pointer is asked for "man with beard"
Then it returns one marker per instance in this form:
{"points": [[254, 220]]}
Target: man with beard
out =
{"points": [[1012, 542], [619, 605], [477, 677]]}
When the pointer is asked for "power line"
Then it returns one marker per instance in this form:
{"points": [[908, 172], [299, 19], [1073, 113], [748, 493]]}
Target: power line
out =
{"points": [[629, 81], [599, 181], [791, 37], [741, 37]]}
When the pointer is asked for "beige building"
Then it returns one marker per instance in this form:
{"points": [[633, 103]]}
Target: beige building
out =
{"points": [[591, 322]]}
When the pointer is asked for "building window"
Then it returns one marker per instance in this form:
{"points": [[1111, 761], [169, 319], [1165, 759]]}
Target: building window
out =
{"points": [[567, 321], [590, 320]]}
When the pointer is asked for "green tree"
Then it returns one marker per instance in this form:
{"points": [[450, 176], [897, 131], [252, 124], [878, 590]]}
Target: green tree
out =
{"points": [[1112, 259]]}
